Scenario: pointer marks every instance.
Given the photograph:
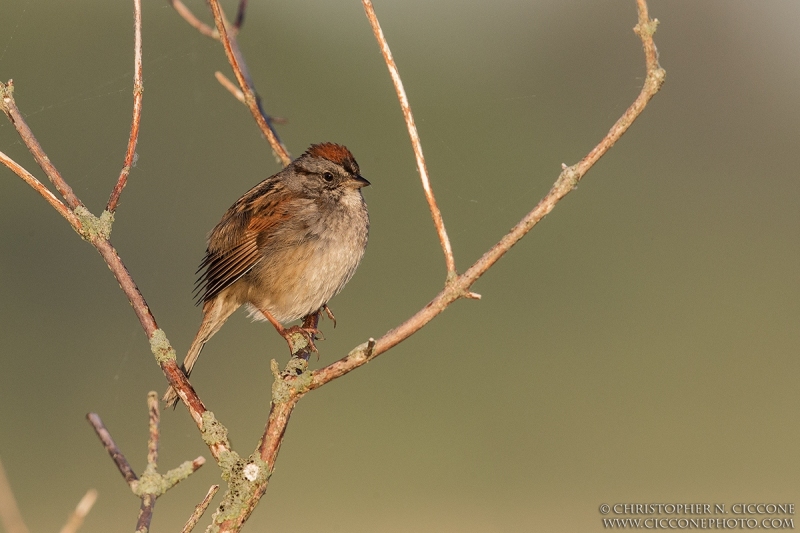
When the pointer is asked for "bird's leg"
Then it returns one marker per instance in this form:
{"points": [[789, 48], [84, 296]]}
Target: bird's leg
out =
{"points": [[329, 313], [299, 338]]}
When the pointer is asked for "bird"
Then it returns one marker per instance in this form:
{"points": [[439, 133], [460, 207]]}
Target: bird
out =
{"points": [[285, 248]]}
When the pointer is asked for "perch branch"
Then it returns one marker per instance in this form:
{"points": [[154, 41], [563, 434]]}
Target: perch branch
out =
{"points": [[138, 90], [416, 144]]}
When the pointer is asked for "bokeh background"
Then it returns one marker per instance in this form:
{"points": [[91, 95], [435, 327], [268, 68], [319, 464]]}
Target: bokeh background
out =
{"points": [[640, 345]]}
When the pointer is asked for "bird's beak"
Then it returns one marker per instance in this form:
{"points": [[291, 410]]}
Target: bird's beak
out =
{"points": [[359, 182]]}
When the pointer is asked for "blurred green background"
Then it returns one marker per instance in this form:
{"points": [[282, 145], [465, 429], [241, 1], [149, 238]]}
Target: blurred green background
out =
{"points": [[640, 345]]}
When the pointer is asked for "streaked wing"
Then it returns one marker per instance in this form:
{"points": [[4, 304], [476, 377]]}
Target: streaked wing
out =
{"points": [[233, 246]]}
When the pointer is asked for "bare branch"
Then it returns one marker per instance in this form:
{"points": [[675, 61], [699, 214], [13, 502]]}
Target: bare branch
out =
{"points": [[199, 509], [75, 520], [39, 187], [252, 100], [204, 28], [9, 511], [151, 484], [193, 21], [9, 107], [111, 447], [145, 513], [138, 89], [155, 418], [232, 88], [416, 144], [239, 21]]}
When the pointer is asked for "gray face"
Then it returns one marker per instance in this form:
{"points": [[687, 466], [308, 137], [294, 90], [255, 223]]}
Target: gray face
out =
{"points": [[319, 178]]}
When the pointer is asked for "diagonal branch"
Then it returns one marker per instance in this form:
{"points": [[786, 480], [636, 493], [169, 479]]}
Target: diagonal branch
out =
{"points": [[199, 509], [75, 520], [10, 516], [416, 144], [251, 99], [39, 187], [204, 28], [119, 459], [138, 89], [151, 485], [9, 107]]}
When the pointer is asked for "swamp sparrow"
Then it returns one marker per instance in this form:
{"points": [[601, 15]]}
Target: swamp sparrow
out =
{"points": [[284, 248]]}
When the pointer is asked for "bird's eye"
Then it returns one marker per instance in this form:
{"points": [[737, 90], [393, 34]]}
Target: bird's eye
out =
{"points": [[327, 176]]}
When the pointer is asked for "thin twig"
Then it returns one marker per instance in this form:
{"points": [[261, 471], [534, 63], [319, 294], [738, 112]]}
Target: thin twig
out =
{"points": [[39, 187], [10, 516], [239, 21], [199, 509], [193, 21], [151, 484], [155, 418], [204, 28], [239, 95], [9, 107], [228, 84], [75, 520], [234, 55], [111, 447], [416, 144], [138, 90]]}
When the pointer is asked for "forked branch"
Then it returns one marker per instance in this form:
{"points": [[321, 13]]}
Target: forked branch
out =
{"points": [[151, 484], [251, 99]]}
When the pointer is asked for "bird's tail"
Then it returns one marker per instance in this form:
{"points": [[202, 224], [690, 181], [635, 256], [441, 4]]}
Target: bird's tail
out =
{"points": [[215, 313]]}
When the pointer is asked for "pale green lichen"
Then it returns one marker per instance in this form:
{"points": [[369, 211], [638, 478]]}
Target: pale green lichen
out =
{"points": [[161, 348], [93, 227], [648, 28], [178, 474], [243, 482], [155, 484], [150, 482], [295, 378], [213, 431]]}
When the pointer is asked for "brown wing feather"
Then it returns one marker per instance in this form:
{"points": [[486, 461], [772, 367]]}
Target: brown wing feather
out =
{"points": [[233, 246]]}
